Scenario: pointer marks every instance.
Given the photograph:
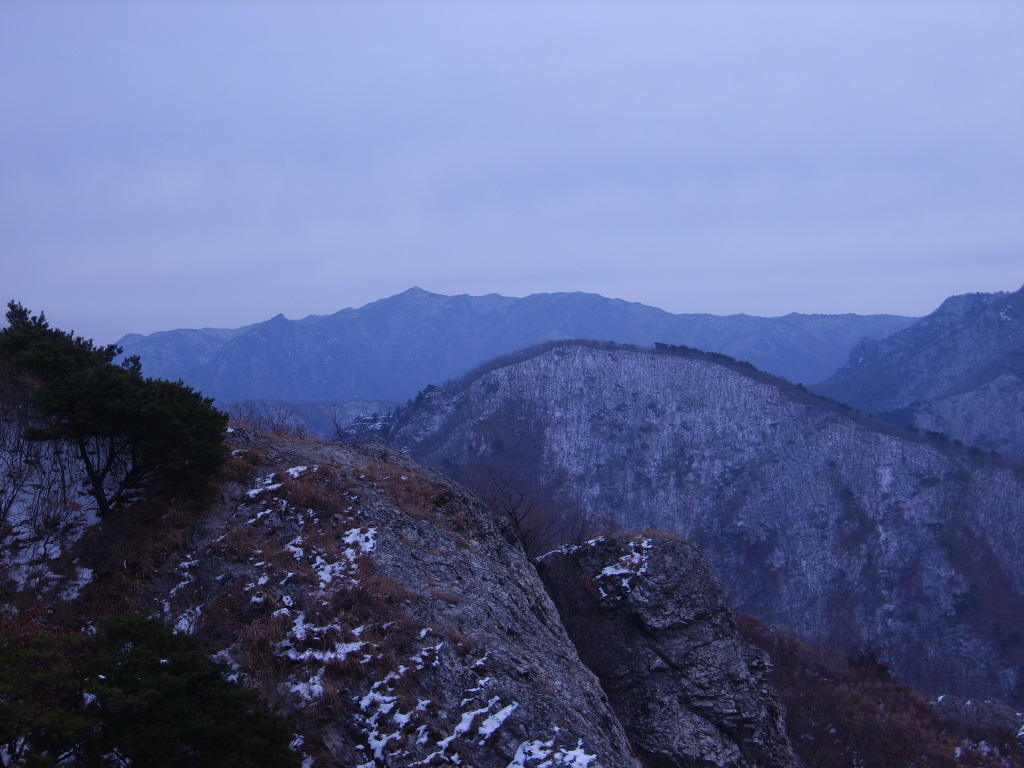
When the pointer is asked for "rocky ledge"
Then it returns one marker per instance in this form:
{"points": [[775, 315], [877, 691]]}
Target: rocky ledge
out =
{"points": [[400, 622], [651, 619]]}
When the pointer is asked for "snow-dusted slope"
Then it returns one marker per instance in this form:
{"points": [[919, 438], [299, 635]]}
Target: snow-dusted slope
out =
{"points": [[44, 510], [959, 371], [841, 528], [391, 612]]}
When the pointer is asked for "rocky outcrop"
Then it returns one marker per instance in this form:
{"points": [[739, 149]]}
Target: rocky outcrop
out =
{"points": [[379, 604], [650, 618], [393, 614]]}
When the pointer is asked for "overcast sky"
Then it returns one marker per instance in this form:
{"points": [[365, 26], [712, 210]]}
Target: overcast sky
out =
{"points": [[187, 164]]}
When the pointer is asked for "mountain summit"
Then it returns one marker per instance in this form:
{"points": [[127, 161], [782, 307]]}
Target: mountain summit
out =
{"points": [[959, 371], [392, 348]]}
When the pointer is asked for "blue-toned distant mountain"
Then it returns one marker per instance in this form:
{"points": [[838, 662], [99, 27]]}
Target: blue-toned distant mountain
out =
{"points": [[959, 371], [392, 348]]}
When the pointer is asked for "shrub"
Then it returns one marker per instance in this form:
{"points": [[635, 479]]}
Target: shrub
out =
{"points": [[136, 691], [851, 712]]}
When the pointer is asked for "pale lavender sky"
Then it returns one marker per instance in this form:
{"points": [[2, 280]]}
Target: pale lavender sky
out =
{"points": [[187, 164]]}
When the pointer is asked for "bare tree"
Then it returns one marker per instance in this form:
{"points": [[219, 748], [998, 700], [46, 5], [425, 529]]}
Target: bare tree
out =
{"points": [[267, 416], [536, 528]]}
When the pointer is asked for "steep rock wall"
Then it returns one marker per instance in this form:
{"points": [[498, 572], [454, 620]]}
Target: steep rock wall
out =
{"points": [[391, 612], [650, 618]]}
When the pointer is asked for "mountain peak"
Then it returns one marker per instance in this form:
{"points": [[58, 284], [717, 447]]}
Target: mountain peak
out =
{"points": [[392, 348]]}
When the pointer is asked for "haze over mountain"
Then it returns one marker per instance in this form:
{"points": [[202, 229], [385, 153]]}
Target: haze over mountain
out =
{"points": [[846, 530], [959, 371], [392, 348]]}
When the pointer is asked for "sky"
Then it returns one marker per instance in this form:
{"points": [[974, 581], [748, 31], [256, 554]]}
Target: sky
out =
{"points": [[212, 164]]}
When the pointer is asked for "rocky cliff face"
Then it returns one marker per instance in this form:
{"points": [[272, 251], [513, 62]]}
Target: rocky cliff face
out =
{"points": [[650, 618], [846, 531], [387, 608], [401, 625], [390, 349], [959, 371], [404, 623]]}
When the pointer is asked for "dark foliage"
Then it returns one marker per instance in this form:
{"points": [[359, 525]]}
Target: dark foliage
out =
{"points": [[42, 714], [133, 694], [127, 431]]}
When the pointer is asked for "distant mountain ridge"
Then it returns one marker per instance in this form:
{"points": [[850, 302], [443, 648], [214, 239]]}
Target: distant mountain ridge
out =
{"points": [[846, 530], [392, 348], [959, 371]]}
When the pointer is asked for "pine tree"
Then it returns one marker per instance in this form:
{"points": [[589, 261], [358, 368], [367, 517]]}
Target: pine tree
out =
{"points": [[126, 430]]}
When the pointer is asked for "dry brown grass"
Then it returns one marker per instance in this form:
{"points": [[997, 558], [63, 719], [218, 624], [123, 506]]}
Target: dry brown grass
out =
{"points": [[239, 543], [651, 533], [462, 642], [414, 493], [445, 597], [850, 711], [258, 642], [321, 491], [242, 466], [381, 594]]}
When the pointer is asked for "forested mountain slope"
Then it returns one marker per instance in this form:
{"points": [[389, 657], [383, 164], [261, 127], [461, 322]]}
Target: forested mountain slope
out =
{"points": [[849, 532], [390, 349], [959, 371]]}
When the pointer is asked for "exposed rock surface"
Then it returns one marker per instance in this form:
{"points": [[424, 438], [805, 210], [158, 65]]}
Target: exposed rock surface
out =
{"points": [[959, 371], [841, 528], [392, 612], [650, 618], [390, 349], [393, 615], [981, 721]]}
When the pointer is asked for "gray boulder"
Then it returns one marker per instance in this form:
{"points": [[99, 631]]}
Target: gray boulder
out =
{"points": [[651, 619]]}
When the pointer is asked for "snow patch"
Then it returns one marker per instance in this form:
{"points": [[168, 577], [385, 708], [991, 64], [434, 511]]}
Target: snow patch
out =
{"points": [[625, 569], [495, 721], [311, 689], [544, 754], [187, 621]]}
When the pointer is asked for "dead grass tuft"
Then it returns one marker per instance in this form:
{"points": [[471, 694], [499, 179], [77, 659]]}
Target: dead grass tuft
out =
{"points": [[320, 491], [656, 534], [242, 466], [462, 642], [416, 494], [258, 642], [239, 543], [446, 597]]}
